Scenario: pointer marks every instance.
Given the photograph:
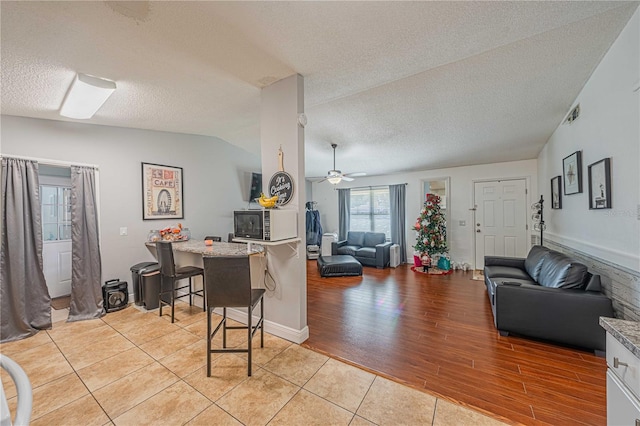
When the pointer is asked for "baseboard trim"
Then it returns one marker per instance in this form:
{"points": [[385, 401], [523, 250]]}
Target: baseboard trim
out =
{"points": [[287, 333]]}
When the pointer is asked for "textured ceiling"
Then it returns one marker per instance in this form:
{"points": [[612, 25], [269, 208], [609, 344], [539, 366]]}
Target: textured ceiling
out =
{"points": [[398, 86]]}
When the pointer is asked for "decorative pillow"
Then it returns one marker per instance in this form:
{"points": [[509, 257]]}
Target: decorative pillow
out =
{"points": [[534, 260]]}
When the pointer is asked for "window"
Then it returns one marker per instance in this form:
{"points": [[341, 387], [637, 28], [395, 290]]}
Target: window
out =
{"points": [[56, 212], [370, 210]]}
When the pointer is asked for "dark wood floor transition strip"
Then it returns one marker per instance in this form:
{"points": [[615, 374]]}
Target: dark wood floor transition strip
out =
{"points": [[436, 333]]}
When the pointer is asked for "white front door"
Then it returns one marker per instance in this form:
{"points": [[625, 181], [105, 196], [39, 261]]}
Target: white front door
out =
{"points": [[56, 257], [56, 236], [501, 219]]}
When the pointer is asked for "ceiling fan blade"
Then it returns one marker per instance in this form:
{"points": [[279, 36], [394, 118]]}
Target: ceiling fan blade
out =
{"points": [[347, 178], [356, 174]]}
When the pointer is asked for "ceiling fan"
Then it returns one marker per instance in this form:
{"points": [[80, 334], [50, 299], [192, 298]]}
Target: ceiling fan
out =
{"points": [[336, 176]]}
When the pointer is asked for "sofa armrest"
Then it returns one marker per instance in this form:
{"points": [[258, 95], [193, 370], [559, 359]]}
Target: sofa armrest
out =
{"points": [[514, 262], [383, 254], [562, 315], [335, 245]]}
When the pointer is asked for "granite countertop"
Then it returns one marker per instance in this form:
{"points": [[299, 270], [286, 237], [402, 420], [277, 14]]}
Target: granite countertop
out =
{"points": [[217, 249], [626, 332]]}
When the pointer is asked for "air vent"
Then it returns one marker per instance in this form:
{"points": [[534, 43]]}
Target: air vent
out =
{"points": [[573, 115]]}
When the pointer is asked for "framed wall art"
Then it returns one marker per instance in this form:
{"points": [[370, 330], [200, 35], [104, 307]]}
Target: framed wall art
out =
{"points": [[572, 173], [600, 184], [556, 192], [162, 192]]}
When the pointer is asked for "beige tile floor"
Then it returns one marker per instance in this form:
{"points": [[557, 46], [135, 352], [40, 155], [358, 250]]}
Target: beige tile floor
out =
{"points": [[132, 368]]}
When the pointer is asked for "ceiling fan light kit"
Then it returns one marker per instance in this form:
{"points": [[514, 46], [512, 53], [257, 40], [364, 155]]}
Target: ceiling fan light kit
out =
{"points": [[334, 179], [335, 176]]}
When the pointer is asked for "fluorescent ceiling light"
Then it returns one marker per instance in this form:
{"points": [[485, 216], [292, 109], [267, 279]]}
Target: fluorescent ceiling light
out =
{"points": [[85, 96]]}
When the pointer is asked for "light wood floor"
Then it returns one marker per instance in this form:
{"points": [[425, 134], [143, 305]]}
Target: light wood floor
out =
{"points": [[436, 333]]}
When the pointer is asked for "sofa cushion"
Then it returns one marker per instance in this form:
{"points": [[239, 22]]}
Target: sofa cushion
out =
{"points": [[348, 250], [369, 252], [533, 262], [498, 271], [559, 271], [371, 239], [355, 238]]}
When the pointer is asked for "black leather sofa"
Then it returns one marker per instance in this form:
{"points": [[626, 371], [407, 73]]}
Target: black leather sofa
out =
{"points": [[369, 248], [548, 296]]}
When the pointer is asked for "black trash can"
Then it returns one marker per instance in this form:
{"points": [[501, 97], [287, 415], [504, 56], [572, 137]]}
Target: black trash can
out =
{"points": [[146, 284], [136, 275]]}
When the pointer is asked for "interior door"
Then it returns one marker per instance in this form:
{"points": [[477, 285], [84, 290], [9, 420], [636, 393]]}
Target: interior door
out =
{"points": [[56, 235], [501, 219]]}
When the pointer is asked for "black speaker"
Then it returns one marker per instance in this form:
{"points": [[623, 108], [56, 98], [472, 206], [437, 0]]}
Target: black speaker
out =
{"points": [[115, 294]]}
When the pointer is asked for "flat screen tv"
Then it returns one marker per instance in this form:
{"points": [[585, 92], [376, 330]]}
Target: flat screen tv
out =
{"points": [[256, 186]]}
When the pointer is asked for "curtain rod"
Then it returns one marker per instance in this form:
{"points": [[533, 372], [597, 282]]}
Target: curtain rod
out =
{"points": [[373, 187], [50, 162]]}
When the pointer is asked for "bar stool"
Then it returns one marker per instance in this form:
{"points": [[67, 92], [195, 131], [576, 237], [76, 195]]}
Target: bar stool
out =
{"points": [[228, 285], [214, 239], [170, 275]]}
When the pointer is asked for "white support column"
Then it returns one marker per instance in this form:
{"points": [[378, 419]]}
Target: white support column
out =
{"points": [[286, 306]]}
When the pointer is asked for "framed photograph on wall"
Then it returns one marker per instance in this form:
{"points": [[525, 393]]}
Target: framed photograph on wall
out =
{"points": [[600, 184], [162, 192], [556, 192], [572, 173]]}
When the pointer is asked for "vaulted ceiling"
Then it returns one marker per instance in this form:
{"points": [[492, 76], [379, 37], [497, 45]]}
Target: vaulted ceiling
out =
{"points": [[399, 86]]}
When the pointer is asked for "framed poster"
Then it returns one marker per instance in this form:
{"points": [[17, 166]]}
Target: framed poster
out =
{"points": [[572, 173], [600, 184], [556, 192], [161, 192]]}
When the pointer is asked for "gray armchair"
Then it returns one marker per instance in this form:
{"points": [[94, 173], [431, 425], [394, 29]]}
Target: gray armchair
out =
{"points": [[369, 248]]}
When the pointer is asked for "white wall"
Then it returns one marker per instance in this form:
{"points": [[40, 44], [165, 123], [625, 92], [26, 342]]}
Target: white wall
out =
{"points": [[460, 200], [608, 127], [214, 178]]}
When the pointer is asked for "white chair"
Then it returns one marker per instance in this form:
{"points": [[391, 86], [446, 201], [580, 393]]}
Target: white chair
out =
{"points": [[25, 396]]}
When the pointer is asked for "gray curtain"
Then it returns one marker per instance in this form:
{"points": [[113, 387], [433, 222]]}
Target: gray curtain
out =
{"points": [[25, 300], [344, 206], [86, 289], [397, 199]]}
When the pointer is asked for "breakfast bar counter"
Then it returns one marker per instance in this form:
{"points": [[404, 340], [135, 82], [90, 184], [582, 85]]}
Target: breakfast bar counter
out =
{"points": [[191, 252], [217, 249]]}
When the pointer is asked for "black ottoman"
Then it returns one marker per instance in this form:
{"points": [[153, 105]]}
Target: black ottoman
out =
{"points": [[339, 266]]}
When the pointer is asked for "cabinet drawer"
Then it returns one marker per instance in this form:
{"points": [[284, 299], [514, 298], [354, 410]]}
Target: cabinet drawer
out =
{"points": [[628, 365], [623, 408]]}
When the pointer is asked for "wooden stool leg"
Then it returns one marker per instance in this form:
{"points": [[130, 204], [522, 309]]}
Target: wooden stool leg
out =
{"points": [[262, 323]]}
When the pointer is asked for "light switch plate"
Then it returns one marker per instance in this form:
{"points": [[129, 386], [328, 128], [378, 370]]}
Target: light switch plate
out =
{"points": [[462, 223], [123, 231]]}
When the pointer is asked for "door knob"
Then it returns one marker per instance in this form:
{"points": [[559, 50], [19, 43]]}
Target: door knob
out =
{"points": [[477, 224], [478, 231]]}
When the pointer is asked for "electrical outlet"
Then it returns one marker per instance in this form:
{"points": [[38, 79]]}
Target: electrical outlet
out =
{"points": [[123, 231], [462, 223]]}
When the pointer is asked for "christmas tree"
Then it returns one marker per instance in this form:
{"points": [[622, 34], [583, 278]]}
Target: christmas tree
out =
{"points": [[431, 228]]}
